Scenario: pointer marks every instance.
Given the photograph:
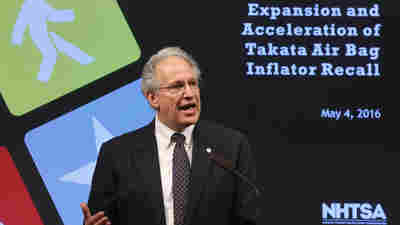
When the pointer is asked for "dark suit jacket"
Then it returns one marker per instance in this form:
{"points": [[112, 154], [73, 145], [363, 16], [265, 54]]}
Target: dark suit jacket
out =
{"points": [[127, 183]]}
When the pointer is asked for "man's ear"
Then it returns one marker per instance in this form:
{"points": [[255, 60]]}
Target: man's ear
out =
{"points": [[153, 99]]}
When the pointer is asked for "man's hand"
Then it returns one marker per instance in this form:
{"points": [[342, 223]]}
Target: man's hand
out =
{"points": [[97, 219]]}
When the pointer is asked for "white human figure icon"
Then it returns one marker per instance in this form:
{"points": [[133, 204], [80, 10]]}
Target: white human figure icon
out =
{"points": [[36, 14]]}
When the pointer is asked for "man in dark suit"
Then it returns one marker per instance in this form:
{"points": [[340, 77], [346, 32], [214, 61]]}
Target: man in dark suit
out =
{"points": [[164, 173]]}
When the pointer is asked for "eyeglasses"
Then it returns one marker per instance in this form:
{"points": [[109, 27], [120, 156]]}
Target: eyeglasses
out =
{"points": [[179, 87]]}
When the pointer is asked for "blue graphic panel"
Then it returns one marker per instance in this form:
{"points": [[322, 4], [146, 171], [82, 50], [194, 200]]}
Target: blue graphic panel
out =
{"points": [[65, 149]]}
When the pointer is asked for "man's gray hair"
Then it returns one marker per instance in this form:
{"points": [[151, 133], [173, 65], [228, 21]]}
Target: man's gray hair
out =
{"points": [[149, 81]]}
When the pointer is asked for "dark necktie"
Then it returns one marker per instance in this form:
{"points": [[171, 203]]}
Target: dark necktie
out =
{"points": [[181, 178]]}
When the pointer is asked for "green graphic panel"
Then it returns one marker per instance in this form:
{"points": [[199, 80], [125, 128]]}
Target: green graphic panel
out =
{"points": [[50, 48]]}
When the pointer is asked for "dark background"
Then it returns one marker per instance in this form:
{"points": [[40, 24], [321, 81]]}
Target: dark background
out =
{"points": [[301, 159]]}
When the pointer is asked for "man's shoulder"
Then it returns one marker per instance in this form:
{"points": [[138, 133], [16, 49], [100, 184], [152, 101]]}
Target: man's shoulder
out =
{"points": [[227, 141], [132, 136], [218, 130]]}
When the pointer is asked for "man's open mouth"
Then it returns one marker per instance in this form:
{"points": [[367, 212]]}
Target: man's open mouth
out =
{"points": [[187, 106]]}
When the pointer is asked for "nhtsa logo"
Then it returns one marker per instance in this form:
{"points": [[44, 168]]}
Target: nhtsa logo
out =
{"points": [[353, 213]]}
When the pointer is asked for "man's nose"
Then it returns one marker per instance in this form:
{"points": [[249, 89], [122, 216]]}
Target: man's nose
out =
{"points": [[188, 91]]}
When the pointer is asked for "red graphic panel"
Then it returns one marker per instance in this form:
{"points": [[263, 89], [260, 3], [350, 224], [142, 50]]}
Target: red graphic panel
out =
{"points": [[16, 206]]}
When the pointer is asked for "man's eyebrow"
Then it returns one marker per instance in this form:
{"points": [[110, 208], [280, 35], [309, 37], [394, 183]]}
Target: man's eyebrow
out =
{"points": [[173, 83], [181, 81]]}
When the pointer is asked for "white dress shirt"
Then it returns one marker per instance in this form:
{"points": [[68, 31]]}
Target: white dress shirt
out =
{"points": [[165, 154]]}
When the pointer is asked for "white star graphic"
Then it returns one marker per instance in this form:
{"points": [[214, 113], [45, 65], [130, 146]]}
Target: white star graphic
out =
{"points": [[84, 174]]}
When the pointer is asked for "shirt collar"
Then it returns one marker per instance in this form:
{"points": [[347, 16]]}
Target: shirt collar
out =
{"points": [[165, 132]]}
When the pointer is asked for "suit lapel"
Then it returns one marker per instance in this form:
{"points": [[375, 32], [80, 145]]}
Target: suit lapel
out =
{"points": [[146, 161], [200, 169]]}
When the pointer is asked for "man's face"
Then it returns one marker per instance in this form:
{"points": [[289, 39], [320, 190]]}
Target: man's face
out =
{"points": [[178, 100]]}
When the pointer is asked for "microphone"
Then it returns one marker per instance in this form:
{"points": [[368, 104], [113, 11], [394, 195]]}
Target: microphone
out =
{"points": [[228, 165]]}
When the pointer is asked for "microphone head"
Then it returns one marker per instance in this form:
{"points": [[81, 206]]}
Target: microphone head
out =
{"points": [[219, 159]]}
